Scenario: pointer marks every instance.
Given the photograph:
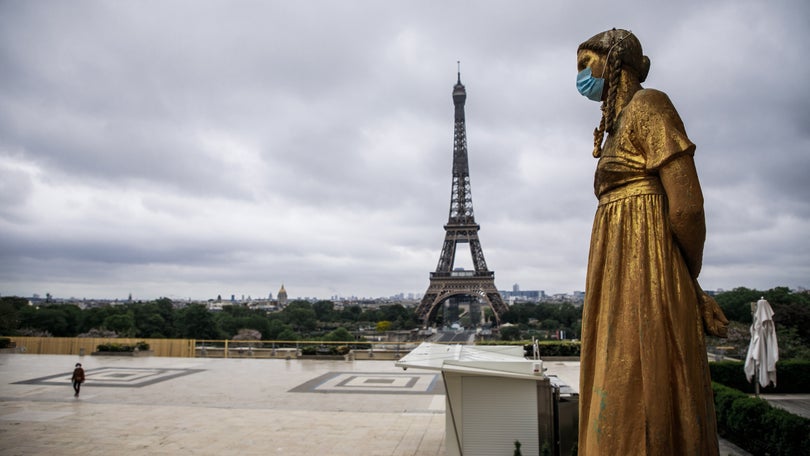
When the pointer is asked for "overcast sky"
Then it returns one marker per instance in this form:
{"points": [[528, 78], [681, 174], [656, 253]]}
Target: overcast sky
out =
{"points": [[195, 148]]}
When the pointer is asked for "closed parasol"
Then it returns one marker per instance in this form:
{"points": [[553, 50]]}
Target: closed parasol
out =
{"points": [[763, 351]]}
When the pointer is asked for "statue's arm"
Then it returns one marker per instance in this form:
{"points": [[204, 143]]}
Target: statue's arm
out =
{"points": [[686, 216]]}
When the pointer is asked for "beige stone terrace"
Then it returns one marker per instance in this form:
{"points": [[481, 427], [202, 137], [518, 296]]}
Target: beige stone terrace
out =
{"points": [[157, 405]]}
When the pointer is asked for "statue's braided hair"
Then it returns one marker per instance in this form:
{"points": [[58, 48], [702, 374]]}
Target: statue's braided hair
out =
{"points": [[623, 50]]}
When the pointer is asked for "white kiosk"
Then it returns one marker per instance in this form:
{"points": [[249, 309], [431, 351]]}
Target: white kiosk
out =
{"points": [[495, 397]]}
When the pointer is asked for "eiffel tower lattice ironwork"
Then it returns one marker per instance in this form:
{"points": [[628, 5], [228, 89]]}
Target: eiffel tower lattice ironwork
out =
{"points": [[461, 228]]}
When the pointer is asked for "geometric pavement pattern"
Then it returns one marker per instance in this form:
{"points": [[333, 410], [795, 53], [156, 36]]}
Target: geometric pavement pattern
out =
{"points": [[373, 383], [116, 377]]}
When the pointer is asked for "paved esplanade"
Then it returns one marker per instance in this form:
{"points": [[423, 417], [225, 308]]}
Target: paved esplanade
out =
{"points": [[154, 405]]}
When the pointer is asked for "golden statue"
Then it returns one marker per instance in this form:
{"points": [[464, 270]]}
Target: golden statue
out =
{"points": [[644, 384]]}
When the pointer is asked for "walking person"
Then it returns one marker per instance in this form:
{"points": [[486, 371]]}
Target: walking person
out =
{"points": [[78, 378]]}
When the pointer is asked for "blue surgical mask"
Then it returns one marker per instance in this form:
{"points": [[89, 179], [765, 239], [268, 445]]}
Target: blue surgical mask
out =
{"points": [[590, 86]]}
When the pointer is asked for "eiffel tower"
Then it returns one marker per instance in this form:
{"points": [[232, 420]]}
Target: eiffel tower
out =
{"points": [[461, 228]]}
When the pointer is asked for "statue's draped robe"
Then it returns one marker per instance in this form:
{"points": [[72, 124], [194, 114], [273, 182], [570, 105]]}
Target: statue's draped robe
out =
{"points": [[644, 382]]}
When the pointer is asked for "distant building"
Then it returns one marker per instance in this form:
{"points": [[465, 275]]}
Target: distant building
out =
{"points": [[523, 295], [282, 296]]}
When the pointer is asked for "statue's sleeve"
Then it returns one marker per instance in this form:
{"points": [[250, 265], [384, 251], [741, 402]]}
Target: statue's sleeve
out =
{"points": [[663, 136]]}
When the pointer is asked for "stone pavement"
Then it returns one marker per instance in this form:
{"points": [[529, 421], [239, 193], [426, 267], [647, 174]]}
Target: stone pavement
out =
{"points": [[797, 404], [170, 406]]}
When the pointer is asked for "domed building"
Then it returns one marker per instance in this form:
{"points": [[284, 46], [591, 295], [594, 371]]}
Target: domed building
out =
{"points": [[282, 296]]}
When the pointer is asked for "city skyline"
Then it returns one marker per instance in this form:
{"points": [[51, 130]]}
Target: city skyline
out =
{"points": [[271, 296], [189, 149]]}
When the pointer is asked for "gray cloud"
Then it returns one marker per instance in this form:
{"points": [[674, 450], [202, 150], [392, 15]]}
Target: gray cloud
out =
{"points": [[195, 148]]}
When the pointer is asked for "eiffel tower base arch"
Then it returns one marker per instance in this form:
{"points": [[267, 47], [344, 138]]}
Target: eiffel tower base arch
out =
{"points": [[447, 286]]}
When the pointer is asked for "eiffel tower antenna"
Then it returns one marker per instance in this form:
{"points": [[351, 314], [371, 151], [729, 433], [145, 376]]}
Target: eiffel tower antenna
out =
{"points": [[447, 282]]}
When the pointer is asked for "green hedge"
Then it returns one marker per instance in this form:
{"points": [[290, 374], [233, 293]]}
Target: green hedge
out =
{"points": [[5, 342], [547, 347], [116, 347], [792, 377], [561, 348], [113, 347], [331, 349], [758, 427]]}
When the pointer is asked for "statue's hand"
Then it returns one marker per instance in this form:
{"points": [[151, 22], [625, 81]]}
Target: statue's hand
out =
{"points": [[714, 322]]}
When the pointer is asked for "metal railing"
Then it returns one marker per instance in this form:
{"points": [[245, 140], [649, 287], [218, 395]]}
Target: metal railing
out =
{"points": [[220, 348]]}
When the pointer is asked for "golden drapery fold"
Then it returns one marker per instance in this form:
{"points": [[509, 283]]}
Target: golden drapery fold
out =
{"points": [[645, 387]]}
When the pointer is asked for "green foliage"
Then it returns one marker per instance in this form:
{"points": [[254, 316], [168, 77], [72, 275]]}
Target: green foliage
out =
{"points": [[5, 342], [15, 302], [561, 348], [159, 319], [791, 310], [547, 316], [300, 315], [115, 347], [383, 326], [736, 304], [339, 335], [152, 326], [791, 345], [196, 322], [550, 324], [275, 328], [326, 349], [793, 316], [730, 373], [153, 319], [123, 324], [59, 320], [309, 350], [325, 311], [94, 318], [399, 316], [164, 302], [289, 334], [567, 348], [509, 333], [122, 348], [234, 318], [758, 427], [351, 313], [9, 309], [793, 377]]}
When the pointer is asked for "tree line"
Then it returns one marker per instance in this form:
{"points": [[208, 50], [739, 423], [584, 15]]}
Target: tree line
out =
{"points": [[542, 320], [791, 319], [162, 319], [791, 316], [322, 319]]}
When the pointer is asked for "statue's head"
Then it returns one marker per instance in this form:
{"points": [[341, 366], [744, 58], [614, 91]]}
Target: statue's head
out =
{"points": [[623, 45], [619, 55]]}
